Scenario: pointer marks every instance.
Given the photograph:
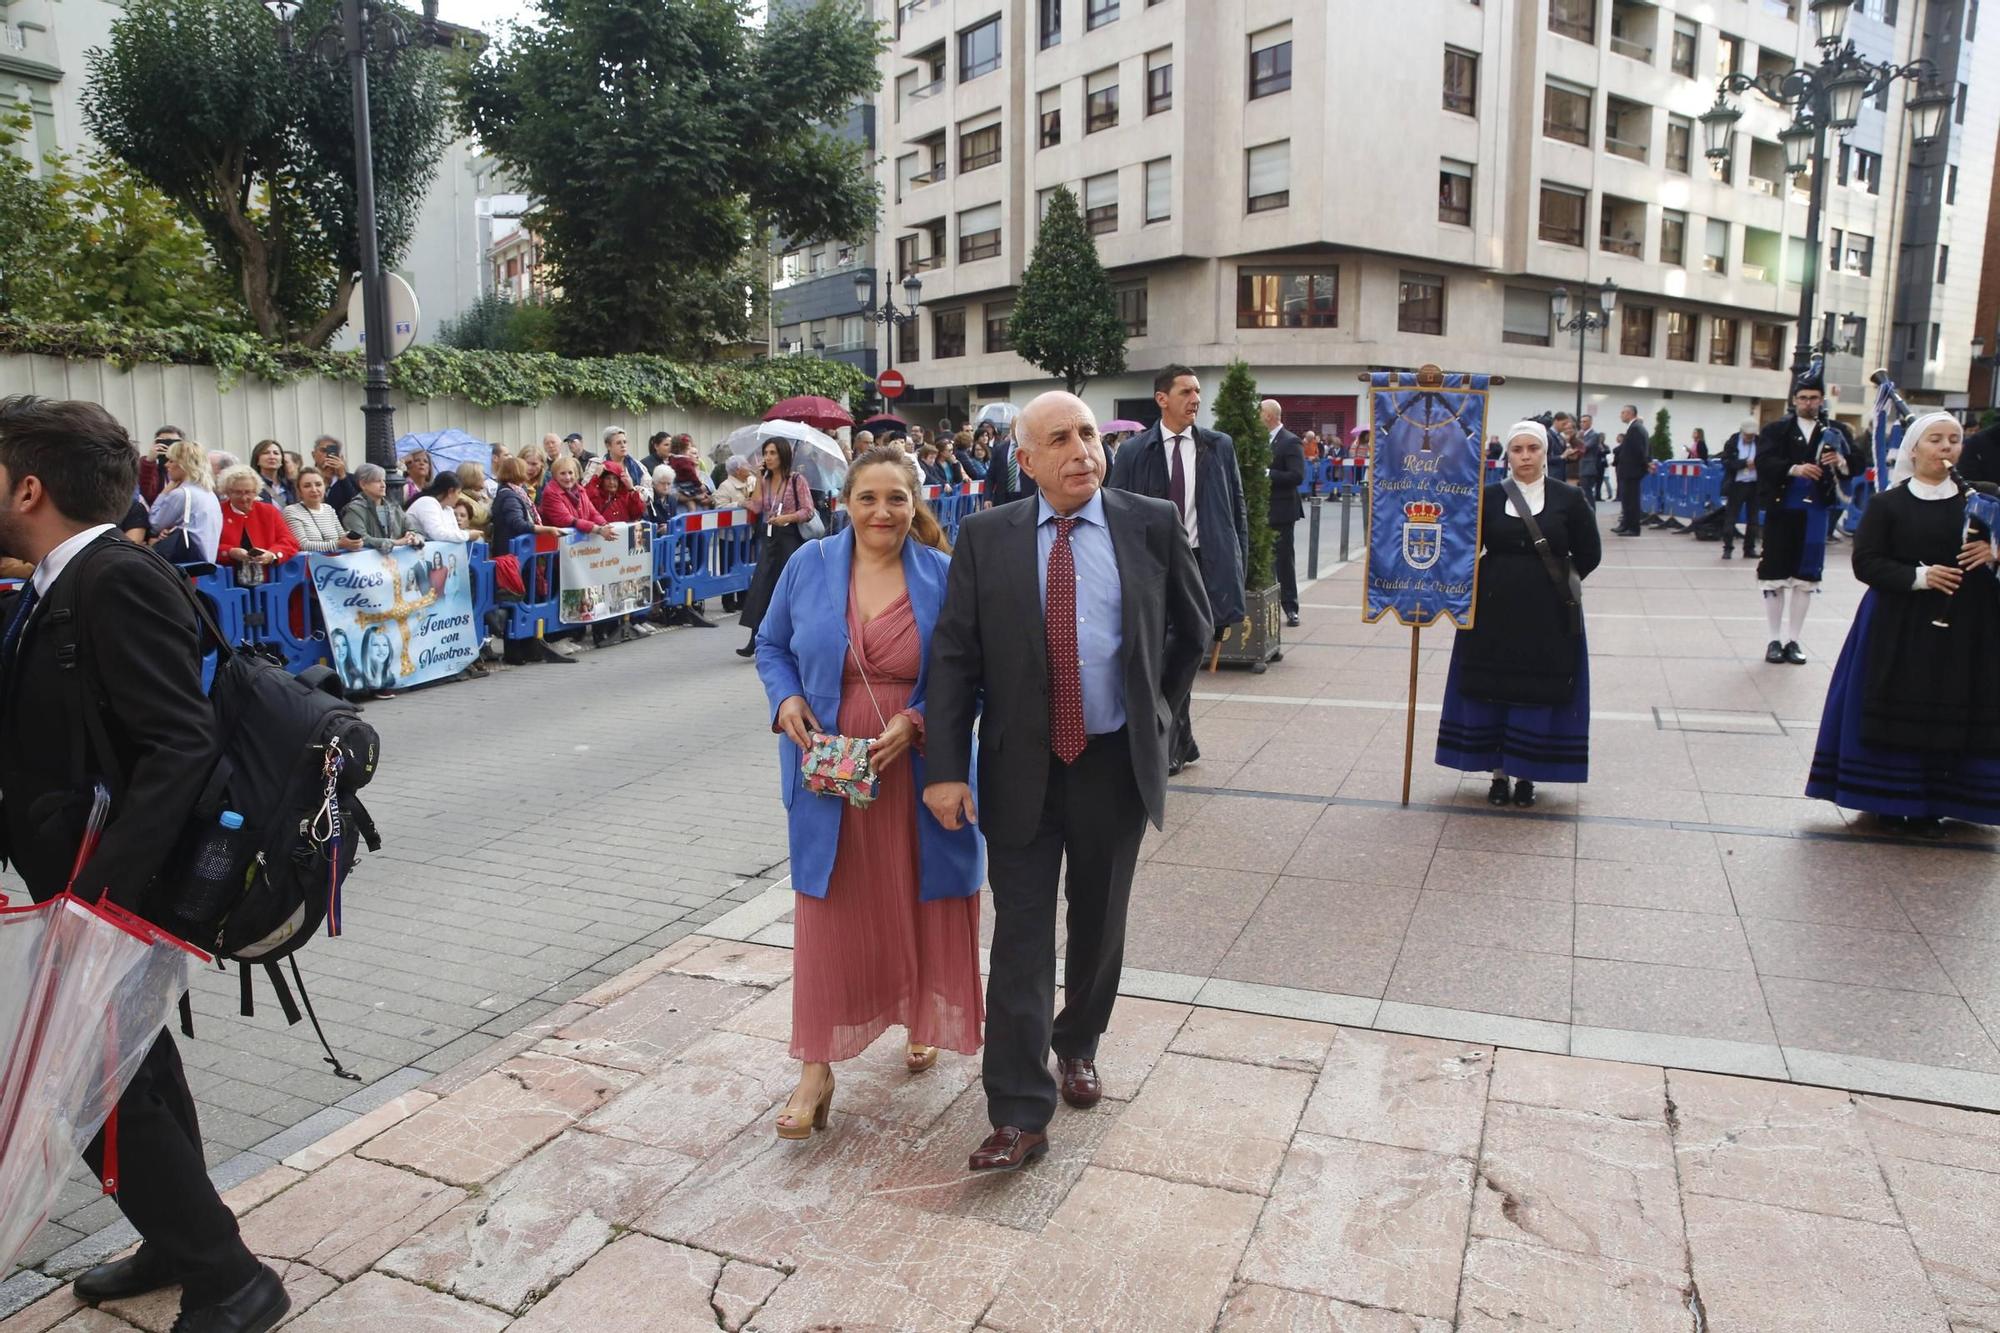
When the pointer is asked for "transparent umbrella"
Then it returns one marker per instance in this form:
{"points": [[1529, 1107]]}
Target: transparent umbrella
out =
{"points": [[815, 454]]}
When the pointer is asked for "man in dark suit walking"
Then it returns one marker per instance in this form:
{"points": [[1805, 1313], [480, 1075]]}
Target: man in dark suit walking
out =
{"points": [[1073, 624], [1631, 461], [1195, 470], [103, 625], [1004, 481], [1288, 473]]}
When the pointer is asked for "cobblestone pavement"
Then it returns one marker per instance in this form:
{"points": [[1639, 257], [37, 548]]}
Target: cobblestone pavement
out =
{"points": [[1243, 1173]]}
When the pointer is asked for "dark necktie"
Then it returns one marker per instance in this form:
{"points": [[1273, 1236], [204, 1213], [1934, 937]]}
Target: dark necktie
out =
{"points": [[1176, 477], [10, 642], [1013, 470], [1066, 735]]}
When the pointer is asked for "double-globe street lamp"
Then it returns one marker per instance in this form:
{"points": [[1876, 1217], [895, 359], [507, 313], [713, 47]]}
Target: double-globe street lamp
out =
{"points": [[366, 28], [1822, 97], [889, 315], [1583, 323]]}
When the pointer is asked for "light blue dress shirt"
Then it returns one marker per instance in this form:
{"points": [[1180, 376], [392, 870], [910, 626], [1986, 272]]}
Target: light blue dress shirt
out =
{"points": [[196, 509], [1100, 609]]}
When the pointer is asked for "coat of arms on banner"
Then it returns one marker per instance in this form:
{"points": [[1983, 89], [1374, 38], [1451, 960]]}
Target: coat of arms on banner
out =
{"points": [[1423, 533]]}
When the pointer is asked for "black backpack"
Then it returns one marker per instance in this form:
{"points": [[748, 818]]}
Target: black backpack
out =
{"points": [[294, 754]]}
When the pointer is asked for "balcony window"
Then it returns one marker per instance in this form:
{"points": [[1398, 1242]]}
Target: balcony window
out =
{"points": [[1858, 256], [979, 49], [1635, 329], [1159, 82], [979, 233], [1461, 81], [906, 340], [1271, 62], [1566, 112], [1628, 128], [1097, 13], [1634, 29], [1867, 171], [1100, 203], [1687, 37], [1563, 211], [1420, 303], [978, 148], [1621, 227], [1728, 55], [1100, 101], [1767, 346], [1525, 319], [1767, 167], [1455, 193], [1715, 247], [1681, 328], [999, 326], [1287, 299], [1050, 105], [1944, 261], [1722, 339], [1680, 143], [1673, 238], [1160, 189], [948, 333], [1268, 176], [1833, 253], [1049, 21], [1131, 298], [1576, 19]]}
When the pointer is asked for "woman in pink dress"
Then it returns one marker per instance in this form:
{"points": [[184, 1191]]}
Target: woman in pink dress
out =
{"points": [[886, 929]]}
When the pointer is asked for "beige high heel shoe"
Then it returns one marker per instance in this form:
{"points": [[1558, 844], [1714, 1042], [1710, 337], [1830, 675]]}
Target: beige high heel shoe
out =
{"points": [[919, 1058], [788, 1124]]}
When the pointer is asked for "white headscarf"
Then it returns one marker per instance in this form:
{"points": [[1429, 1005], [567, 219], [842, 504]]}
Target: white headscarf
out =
{"points": [[1531, 491], [1906, 453]]}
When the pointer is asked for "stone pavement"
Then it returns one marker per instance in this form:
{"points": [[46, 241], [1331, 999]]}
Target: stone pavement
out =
{"points": [[1244, 1173]]}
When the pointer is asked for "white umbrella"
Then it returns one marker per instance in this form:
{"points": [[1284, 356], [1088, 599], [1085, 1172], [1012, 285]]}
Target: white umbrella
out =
{"points": [[1000, 414], [815, 454]]}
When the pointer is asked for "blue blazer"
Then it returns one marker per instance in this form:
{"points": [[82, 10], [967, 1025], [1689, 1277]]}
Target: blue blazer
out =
{"points": [[801, 649]]}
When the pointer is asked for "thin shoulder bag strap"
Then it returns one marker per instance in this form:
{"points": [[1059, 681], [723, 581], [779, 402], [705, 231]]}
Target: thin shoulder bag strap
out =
{"points": [[855, 653], [1557, 575]]}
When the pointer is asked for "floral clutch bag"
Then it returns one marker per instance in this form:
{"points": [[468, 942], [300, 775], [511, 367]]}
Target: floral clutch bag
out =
{"points": [[839, 766]]}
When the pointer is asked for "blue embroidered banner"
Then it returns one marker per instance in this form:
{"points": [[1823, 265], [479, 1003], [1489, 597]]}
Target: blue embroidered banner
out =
{"points": [[1423, 497], [400, 617]]}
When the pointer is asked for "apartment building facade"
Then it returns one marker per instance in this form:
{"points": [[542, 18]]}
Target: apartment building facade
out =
{"points": [[1324, 186]]}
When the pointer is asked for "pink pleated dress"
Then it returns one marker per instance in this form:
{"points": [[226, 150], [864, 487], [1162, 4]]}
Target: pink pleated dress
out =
{"points": [[869, 956]]}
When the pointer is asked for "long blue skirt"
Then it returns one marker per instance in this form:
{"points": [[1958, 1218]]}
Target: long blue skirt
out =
{"points": [[1540, 742], [1910, 783]]}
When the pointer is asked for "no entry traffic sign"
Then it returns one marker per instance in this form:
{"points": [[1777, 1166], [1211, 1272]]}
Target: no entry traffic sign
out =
{"points": [[891, 383]]}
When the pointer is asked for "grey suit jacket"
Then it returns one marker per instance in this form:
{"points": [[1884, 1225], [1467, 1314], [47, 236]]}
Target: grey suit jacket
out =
{"points": [[989, 657]]}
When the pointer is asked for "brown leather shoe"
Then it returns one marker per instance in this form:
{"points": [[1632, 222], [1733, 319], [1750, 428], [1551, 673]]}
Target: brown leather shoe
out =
{"points": [[1007, 1148], [1080, 1087]]}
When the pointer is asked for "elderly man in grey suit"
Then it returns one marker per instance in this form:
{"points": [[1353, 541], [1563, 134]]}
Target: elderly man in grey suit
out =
{"points": [[1072, 627]]}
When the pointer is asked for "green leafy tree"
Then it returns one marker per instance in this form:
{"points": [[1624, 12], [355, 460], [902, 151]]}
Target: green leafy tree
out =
{"points": [[1236, 416], [499, 323], [661, 139], [1066, 316], [91, 242], [1663, 440], [197, 98]]}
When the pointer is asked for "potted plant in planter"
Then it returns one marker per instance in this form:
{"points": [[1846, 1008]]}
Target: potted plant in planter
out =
{"points": [[1255, 641]]}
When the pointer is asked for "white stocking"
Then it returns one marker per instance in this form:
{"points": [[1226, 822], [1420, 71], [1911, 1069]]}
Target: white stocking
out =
{"points": [[1774, 609], [1801, 600]]}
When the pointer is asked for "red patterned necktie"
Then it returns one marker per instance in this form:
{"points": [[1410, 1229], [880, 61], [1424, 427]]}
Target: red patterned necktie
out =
{"points": [[1066, 735]]}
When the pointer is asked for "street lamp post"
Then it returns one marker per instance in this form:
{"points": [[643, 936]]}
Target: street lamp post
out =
{"points": [[365, 28], [1583, 323], [888, 315], [1822, 97]]}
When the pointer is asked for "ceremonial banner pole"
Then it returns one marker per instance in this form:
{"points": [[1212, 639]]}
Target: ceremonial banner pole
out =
{"points": [[1425, 473]]}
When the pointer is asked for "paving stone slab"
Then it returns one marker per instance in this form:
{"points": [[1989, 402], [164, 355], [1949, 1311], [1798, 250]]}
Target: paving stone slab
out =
{"points": [[1953, 1217], [1359, 1222], [1592, 1087], [156, 1311], [1920, 1132], [1775, 1143], [540, 1221], [1208, 1122], [499, 1118], [641, 1029], [1284, 1043], [1255, 1309], [741, 1291], [1410, 1092], [345, 1216], [1512, 1288], [933, 1176], [704, 1096], [383, 1304], [1128, 1251], [746, 964], [635, 1285]]}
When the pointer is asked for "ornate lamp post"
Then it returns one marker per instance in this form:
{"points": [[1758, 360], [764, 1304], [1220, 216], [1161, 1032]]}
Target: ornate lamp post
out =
{"points": [[1583, 323], [889, 315], [366, 28], [1822, 97]]}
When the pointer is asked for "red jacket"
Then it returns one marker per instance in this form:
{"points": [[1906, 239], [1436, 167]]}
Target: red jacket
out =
{"points": [[570, 509], [627, 506], [267, 528]]}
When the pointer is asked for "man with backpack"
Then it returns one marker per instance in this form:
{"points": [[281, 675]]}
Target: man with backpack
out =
{"points": [[104, 610]]}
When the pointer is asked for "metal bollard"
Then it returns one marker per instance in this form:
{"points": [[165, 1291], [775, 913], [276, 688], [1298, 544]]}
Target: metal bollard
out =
{"points": [[1346, 521], [1312, 536]]}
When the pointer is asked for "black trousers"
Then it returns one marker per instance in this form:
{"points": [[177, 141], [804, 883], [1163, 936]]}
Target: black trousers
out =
{"points": [[1628, 503], [1285, 562], [1093, 818], [1742, 500], [163, 1186]]}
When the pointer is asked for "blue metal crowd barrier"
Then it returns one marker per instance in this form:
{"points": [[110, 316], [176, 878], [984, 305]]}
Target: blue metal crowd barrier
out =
{"points": [[530, 616], [705, 553]]}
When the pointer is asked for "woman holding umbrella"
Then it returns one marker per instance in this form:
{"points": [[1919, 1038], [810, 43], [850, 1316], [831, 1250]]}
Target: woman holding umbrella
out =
{"points": [[783, 504]]}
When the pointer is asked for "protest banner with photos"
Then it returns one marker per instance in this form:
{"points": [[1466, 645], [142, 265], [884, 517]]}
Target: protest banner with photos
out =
{"points": [[399, 617], [607, 573]]}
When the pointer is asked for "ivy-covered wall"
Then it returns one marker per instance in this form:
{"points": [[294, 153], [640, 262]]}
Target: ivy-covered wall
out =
{"points": [[229, 392]]}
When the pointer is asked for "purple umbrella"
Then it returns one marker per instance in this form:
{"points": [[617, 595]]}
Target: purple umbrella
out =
{"points": [[1120, 426]]}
